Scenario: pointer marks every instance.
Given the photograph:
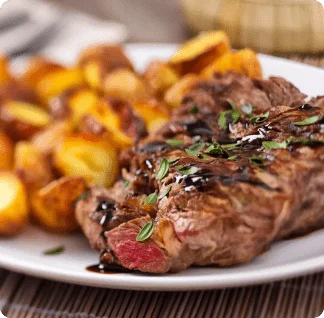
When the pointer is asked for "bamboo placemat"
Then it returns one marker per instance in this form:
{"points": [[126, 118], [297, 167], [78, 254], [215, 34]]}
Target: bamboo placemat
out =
{"points": [[28, 297]]}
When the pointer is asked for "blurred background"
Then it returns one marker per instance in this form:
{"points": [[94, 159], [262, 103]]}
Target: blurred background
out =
{"points": [[271, 26]]}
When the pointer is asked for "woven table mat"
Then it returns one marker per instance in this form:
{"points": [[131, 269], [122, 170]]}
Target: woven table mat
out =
{"points": [[28, 297]]}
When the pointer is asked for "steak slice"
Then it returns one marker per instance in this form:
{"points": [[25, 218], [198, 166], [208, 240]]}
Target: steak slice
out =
{"points": [[234, 203], [212, 95]]}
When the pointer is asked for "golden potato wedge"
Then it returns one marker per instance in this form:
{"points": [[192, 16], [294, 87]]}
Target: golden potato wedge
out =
{"points": [[87, 156], [33, 169], [6, 151], [14, 213], [73, 104], [197, 53], [54, 83], [174, 95], [154, 114], [96, 62], [4, 70], [125, 85], [160, 76], [37, 68], [22, 120], [114, 120], [53, 206], [50, 137], [244, 61]]}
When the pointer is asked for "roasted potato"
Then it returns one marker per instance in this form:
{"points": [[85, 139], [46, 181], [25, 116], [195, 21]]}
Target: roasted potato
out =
{"points": [[49, 138], [244, 61], [31, 166], [6, 151], [14, 213], [110, 122], [154, 114], [37, 68], [54, 83], [15, 90], [174, 95], [125, 85], [4, 70], [73, 104], [22, 120], [87, 156], [197, 53], [96, 62], [53, 206], [160, 76]]}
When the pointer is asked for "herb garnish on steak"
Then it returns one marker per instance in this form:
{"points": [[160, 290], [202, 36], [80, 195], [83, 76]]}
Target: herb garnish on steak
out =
{"points": [[250, 181]]}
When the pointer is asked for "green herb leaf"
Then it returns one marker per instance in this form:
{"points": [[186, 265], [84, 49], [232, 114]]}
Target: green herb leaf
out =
{"points": [[233, 106], [197, 146], [152, 198], [186, 171], [174, 142], [222, 119], [55, 251], [192, 153], [126, 183], [163, 170], [308, 121], [257, 161], [235, 117], [194, 150], [145, 232], [232, 158], [194, 110], [260, 119], [274, 145], [164, 193], [83, 196], [216, 149], [230, 147], [171, 161], [247, 108]]}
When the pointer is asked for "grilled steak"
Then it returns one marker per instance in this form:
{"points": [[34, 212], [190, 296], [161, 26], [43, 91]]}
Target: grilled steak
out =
{"points": [[241, 178]]}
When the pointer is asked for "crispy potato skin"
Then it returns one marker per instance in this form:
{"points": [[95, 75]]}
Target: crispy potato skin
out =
{"points": [[37, 68], [160, 76], [48, 139], [125, 85], [98, 61], [195, 54], [174, 95], [54, 83], [6, 151], [22, 120], [73, 104], [154, 114], [14, 212], [53, 205], [244, 61], [5, 75], [31, 166], [16, 90], [87, 156]]}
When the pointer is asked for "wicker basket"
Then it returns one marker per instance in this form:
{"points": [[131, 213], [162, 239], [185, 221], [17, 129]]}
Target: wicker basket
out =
{"points": [[285, 26]]}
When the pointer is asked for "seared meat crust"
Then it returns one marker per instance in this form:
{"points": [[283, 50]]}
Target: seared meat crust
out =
{"points": [[235, 204]]}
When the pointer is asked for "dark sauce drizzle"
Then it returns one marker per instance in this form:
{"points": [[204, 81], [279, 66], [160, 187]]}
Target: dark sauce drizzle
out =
{"points": [[102, 268]]}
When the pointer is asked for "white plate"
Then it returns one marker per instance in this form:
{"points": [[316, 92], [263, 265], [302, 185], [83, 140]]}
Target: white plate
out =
{"points": [[284, 260]]}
